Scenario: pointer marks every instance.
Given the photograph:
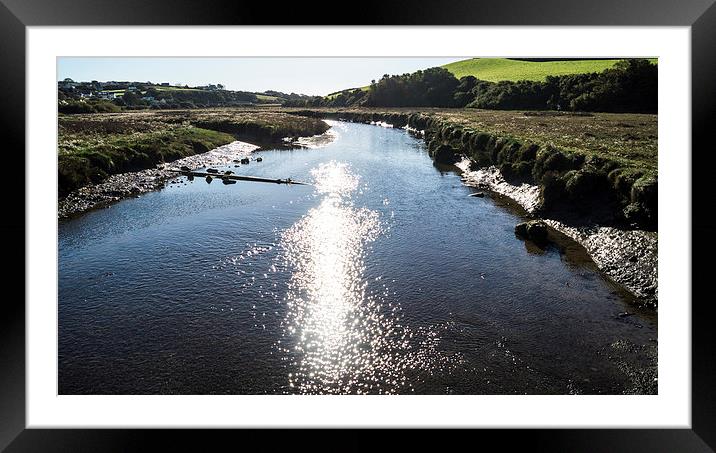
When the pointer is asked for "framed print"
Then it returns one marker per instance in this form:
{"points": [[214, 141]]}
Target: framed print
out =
{"points": [[233, 221]]}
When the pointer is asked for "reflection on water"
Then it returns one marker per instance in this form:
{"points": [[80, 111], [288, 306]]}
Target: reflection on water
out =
{"points": [[343, 338], [383, 277]]}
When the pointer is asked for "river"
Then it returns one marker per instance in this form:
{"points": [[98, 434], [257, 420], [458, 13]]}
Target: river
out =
{"points": [[381, 277]]}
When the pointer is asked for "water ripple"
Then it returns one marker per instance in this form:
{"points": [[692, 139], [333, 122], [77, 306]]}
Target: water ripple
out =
{"points": [[344, 338]]}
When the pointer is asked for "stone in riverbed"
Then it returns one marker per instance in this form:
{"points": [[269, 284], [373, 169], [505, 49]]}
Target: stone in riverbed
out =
{"points": [[535, 230]]}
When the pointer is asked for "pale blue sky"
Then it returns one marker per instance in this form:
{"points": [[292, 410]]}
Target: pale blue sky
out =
{"points": [[315, 76]]}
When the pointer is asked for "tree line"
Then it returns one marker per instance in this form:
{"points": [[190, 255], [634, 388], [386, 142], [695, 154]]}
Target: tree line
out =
{"points": [[145, 97], [630, 86]]}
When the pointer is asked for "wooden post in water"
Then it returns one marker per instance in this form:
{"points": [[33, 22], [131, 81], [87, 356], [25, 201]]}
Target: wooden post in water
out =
{"points": [[238, 178]]}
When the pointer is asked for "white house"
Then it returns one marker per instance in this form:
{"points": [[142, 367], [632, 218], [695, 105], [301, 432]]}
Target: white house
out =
{"points": [[109, 94]]}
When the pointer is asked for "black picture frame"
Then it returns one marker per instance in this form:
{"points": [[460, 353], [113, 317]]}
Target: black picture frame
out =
{"points": [[700, 15]]}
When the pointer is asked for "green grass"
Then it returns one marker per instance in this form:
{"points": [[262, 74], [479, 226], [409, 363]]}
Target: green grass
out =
{"points": [[267, 98], [337, 93], [171, 88], [499, 69]]}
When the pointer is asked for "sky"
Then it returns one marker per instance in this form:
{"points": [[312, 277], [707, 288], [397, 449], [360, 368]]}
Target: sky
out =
{"points": [[305, 75]]}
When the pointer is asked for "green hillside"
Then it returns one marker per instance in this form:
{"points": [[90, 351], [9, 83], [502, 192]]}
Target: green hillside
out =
{"points": [[498, 69]]}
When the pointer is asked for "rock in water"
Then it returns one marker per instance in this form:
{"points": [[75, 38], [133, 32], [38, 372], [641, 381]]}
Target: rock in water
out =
{"points": [[535, 230]]}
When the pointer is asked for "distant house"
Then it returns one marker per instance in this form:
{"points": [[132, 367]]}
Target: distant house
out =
{"points": [[211, 87], [109, 95], [164, 84]]}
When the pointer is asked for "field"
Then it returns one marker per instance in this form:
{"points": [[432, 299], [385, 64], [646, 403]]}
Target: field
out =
{"points": [[499, 69], [336, 93], [173, 88], [630, 139], [266, 99]]}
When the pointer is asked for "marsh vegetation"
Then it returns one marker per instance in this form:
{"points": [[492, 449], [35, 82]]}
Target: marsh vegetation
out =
{"points": [[93, 146]]}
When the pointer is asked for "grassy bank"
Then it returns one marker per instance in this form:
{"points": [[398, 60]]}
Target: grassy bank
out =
{"points": [[592, 167], [92, 147]]}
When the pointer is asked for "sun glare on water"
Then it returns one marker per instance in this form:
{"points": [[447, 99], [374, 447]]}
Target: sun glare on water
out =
{"points": [[343, 338]]}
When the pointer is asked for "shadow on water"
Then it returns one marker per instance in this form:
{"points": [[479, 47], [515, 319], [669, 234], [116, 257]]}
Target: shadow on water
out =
{"points": [[571, 252]]}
